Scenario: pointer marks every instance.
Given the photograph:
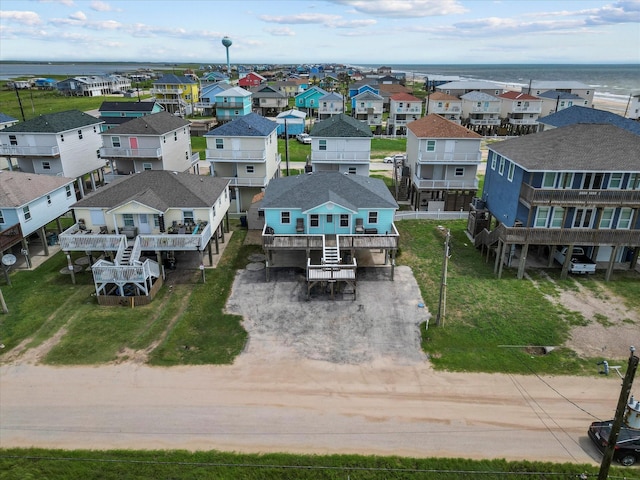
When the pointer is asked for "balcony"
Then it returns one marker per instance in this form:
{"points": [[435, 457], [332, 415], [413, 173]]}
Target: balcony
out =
{"points": [[223, 155], [388, 240], [330, 110], [447, 158], [230, 105], [489, 109], [444, 110], [377, 110], [484, 121], [16, 151], [340, 157], [432, 184], [523, 121], [10, 236], [167, 91], [74, 239], [560, 236], [401, 110], [246, 181], [115, 152], [567, 198], [527, 109], [196, 240], [106, 272]]}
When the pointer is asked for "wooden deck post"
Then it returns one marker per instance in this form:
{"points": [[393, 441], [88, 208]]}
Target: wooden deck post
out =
{"points": [[505, 247], [552, 252], [70, 267], [210, 253], [217, 245], [43, 237], [498, 256], [634, 258], [567, 262], [612, 259], [393, 263], [523, 260]]}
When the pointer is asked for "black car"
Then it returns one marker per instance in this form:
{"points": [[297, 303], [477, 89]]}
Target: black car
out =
{"points": [[627, 450]]}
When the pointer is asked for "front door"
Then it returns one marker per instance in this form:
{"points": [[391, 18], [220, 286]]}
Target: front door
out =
{"points": [[329, 224], [133, 143], [143, 223]]}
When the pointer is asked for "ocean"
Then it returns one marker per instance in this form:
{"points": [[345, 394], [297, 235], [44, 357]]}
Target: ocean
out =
{"points": [[614, 82]]}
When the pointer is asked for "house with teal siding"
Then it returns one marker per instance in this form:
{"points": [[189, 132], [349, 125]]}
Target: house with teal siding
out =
{"points": [[207, 102], [330, 213], [342, 144], [309, 100], [232, 103], [574, 186]]}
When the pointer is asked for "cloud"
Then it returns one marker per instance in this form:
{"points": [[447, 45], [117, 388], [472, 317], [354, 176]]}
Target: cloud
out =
{"points": [[627, 11], [78, 16], [101, 6], [68, 3], [23, 17], [404, 8], [281, 32], [301, 18]]}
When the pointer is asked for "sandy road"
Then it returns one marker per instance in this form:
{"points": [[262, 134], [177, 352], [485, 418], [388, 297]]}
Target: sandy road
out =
{"points": [[303, 406]]}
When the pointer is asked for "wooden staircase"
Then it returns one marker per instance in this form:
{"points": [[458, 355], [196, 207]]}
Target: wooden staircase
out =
{"points": [[330, 250]]}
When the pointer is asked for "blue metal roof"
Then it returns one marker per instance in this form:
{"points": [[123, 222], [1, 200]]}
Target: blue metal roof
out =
{"points": [[578, 114], [250, 125]]}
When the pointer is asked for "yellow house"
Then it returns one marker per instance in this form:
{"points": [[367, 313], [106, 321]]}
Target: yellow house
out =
{"points": [[177, 94]]}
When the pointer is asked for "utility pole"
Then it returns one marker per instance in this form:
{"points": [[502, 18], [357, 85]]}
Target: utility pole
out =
{"points": [[442, 304], [286, 144], [15, 87], [3, 303], [617, 422]]}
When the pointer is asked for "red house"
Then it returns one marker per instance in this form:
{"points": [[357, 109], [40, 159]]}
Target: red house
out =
{"points": [[251, 79]]}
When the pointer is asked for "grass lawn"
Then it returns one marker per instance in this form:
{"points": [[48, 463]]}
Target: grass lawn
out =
{"points": [[131, 464]]}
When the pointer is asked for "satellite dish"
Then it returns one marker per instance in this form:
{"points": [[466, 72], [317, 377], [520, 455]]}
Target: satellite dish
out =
{"points": [[8, 259]]}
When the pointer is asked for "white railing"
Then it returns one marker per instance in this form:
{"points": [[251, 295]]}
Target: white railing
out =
{"points": [[431, 215], [130, 152], [230, 105], [73, 239], [529, 109], [369, 110], [408, 109], [192, 241], [106, 272], [167, 91], [195, 158], [484, 121], [329, 156], [444, 184], [246, 181], [523, 121], [29, 150], [445, 157], [223, 155], [489, 109], [330, 110], [446, 110]]}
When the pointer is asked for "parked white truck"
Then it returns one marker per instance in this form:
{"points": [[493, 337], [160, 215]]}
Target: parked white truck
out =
{"points": [[579, 262]]}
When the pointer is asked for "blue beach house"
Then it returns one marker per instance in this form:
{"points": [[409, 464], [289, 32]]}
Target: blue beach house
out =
{"points": [[575, 186], [232, 103]]}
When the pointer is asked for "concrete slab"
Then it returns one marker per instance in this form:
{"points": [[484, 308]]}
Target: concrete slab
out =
{"points": [[381, 325]]}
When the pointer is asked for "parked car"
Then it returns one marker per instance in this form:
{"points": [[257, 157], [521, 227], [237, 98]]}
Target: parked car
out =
{"points": [[388, 160], [303, 138], [627, 450], [399, 159], [579, 263]]}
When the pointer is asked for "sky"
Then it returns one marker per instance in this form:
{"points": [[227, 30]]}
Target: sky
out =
{"points": [[322, 31]]}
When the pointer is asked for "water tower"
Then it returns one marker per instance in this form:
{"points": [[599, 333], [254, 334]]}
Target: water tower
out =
{"points": [[226, 41]]}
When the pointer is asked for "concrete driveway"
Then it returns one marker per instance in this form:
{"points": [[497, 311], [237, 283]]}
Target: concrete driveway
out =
{"points": [[381, 324]]}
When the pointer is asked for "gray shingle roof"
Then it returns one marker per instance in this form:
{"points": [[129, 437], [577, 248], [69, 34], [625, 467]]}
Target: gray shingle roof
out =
{"points": [[158, 189], [554, 94], [55, 122], [154, 124], [133, 106], [341, 126], [20, 188], [310, 190], [476, 96], [578, 147], [172, 79], [4, 118], [579, 114], [250, 125]]}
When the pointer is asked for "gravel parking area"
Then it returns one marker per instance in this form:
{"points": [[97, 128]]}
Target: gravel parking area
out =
{"points": [[381, 324]]}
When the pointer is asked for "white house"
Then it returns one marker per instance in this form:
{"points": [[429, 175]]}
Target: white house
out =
{"points": [[159, 141], [580, 89], [520, 111], [480, 111], [445, 105], [64, 144], [403, 109]]}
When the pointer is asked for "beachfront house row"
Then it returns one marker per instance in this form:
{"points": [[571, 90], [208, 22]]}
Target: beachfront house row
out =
{"points": [[554, 101], [443, 159], [341, 143], [244, 152], [519, 112], [368, 108], [481, 112], [268, 101], [117, 113], [140, 223], [330, 104], [460, 88], [93, 85], [177, 94], [28, 202], [65, 143], [403, 109], [574, 186], [291, 122], [331, 217], [232, 103], [154, 142], [447, 106], [582, 90]]}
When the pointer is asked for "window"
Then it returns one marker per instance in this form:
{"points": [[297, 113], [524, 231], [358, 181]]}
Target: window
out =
{"points": [[146, 166], [46, 165], [115, 142], [512, 169], [1, 217], [314, 221], [285, 218], [344, 220], [249, 169], [493, 161], [187, 216], [353, 170], [13, 140], [49, 199], [156, 220], [558, 216], [127, 219], [459, 172], [175, 136], [501, 168], [80, 134], [615, 181], [431, 145], [624, 220], [566, 180], [606, 220], [548, 180], [634, 181], [373, 217], [329, 218], [27, 213], [583, 218], [219, 143], [68, 190], [322, 144], [542, 213]]}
